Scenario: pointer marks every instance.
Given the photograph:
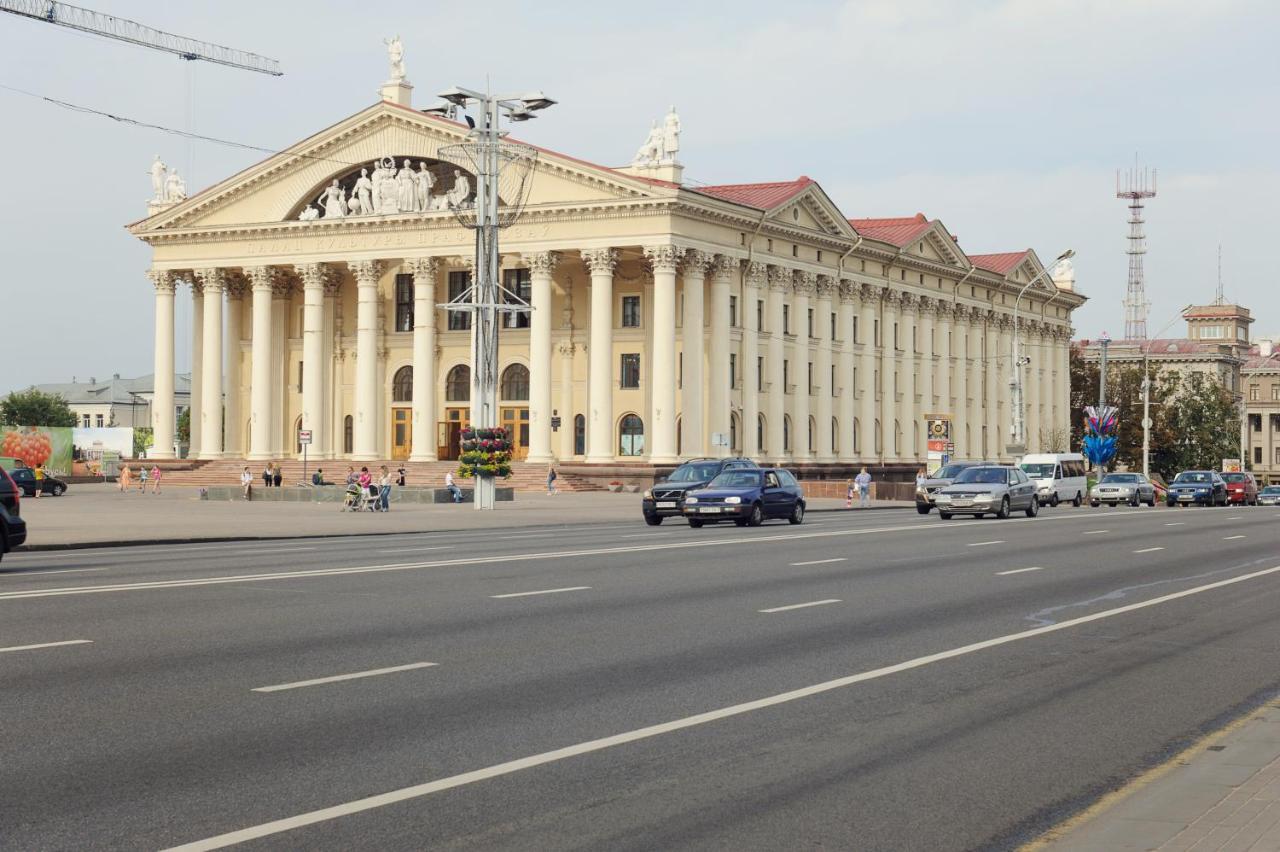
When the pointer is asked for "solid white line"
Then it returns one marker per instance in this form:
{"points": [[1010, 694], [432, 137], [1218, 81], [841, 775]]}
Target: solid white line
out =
{"points": [[820, 561], [1231, 537], [542, 592], [1018, 571], [53, 571], [417, 549], [418, 791], [46, 645], [985, 543], [1149, 550], [800, 606], [1094, 532], [335, 678]]}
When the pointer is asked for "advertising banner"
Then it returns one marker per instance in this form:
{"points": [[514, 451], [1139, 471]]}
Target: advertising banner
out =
{"points": [[99, 449], [49, 446]]}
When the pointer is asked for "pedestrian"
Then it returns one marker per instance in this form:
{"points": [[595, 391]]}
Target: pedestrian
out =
{"points": [[39, 475], [277, 475], [863, 481], [351, 475], [384, 490], [365, 481], [126, 475], [921, 476], [142, 480], [551, 479], [453, 488], [400, 477], [246, 481], [318, 479], [155, 479], [266, 476]]}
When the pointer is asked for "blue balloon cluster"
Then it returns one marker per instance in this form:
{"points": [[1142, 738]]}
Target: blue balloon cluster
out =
{"points": [[1099, 449]]}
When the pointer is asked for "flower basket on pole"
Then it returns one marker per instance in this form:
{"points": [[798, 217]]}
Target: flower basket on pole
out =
{"points": [[486, 453]]}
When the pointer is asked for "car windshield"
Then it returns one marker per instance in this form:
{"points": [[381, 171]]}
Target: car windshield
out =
{"points": [[983, 475], [1271, 489], [736, 479], [1235, 477], [694, 472], [950, 471], [1192, 476], [1121, 477], [1039, 471]]}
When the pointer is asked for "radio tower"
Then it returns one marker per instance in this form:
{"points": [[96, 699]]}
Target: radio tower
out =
{"points": [[1137, 184]]}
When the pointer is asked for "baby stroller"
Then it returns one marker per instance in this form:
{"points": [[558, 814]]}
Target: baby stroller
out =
{"points": [[357, 499]]}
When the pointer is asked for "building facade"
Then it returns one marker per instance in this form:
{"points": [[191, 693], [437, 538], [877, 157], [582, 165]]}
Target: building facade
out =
{"points": [[667, 321], [1260, 382], [117, 401]]}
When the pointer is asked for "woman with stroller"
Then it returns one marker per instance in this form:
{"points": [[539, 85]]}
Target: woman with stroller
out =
{"points": [[384, 490]]}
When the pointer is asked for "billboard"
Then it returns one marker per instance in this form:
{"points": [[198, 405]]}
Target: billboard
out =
{"points": [[49, 446]]}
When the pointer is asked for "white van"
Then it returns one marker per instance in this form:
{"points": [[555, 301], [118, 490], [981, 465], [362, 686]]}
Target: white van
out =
{"points": [[1059, 477]]}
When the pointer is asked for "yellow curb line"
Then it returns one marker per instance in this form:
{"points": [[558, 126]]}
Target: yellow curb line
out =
{"points": [[1155, 773]]}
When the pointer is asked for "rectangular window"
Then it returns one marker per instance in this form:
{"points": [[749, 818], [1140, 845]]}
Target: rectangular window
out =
{"points": [[875, 330], [1257, 455], [833, 325], [630, 377], [915, 342], [833, 379], [809, 322], [759, 314], [733, 311], [679, 370], [786, 319], [855, 329], [895, 337], [1255, 422], [98, 421], [786, 374], [1253, 393], [809, 378], [517, 289], [1275, 393], [86, 421], [630, 311], [733, 370], [1211, 332], [404, 303], [458, 284], [300, 374], [760, 373]]}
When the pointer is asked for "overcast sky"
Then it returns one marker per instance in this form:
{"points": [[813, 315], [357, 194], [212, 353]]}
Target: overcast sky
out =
{"points": [[1006, 120]]}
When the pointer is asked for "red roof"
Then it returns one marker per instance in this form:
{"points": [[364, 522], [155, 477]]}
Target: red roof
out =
{"points": [[895, 231], [762, 196], [1001, 264]]}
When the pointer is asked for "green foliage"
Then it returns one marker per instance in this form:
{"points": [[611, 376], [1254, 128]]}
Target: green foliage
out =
{"points": [[35, 408], [1203, 425], [184, 426], [143, 438]]}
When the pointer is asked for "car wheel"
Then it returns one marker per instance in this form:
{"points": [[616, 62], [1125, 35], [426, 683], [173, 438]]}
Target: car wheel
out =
{"points": [[946, 516], [653, 520], [58, 490], [739, 522], [696, 523], [923, 509], [1033, 509], [1094, 504], [797, 514], [1077, 500], [1053, 501], [756, 518], [1172, 504], [1004, 508], [1151, 501], [1133, 501]]}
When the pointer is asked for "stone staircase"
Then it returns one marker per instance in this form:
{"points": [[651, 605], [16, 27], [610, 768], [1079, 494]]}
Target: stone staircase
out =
{"points": [[524, 477]]}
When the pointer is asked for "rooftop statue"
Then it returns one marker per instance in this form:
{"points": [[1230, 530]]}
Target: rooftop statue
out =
{"points": [[157, 172], [671, 135], [395, 55]]}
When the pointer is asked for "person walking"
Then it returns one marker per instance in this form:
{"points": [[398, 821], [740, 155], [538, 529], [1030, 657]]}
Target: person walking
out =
{"points": [[551, 479], [365, 482], [921, 476], [155, 479], [453, 489], [142, 480], [384, 490], [863, 481], [246, 481], [277, 475], [126, 475], [266, 476]]}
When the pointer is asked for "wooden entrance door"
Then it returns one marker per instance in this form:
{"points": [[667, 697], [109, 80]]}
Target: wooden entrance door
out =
{"points": [[449, 433], [516, 422], [401, 433]]}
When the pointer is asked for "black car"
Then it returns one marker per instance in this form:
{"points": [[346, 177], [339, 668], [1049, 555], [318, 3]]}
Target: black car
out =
{"points": [[747, 496], [25, 478], [1204, 487], [13, 530], [665, 498]]}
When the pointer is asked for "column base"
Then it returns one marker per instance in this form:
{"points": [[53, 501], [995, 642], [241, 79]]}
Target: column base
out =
{"points": [[364, 457], [155, 454], [423, 457], [210, 456], [538, 459], [663, 459], [598, 460]]}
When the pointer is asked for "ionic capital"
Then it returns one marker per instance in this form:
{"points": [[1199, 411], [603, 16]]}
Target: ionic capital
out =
{"points": [[600, 261], [662, 258], [542, 263], [163, 281]]}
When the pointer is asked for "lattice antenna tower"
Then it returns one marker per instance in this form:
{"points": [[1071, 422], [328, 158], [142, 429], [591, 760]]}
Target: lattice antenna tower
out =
{"points": [[1136, 185]]}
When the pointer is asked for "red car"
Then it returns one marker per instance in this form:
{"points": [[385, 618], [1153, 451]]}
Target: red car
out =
{"points": [[1241, 488]]}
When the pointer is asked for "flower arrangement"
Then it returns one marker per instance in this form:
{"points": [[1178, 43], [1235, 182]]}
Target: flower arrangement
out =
{"points": [[485, 452]]}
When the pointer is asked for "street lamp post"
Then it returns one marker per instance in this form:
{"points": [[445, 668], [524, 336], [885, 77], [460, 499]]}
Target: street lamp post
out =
{"points": [[1146, 393], [1017, 361]]}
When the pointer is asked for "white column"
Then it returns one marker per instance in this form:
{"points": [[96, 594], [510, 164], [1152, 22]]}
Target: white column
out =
{"points": [[847, 402], [867, 385], [281, 444], [541, 267], [989, 411], [233, 445], [804, 284], [961, 346], [365, 445], [907, 376], [755, 281], [890, 377], [693, 437], [213, 281], [567, 411], [260, 279], [822, 371], [333, 446], [662, 376], [194, 417], [1034, 378], [600, 439], [779, 287], [162, 403], [718, 390], [1003, 387], [928, 368], [313, 412], [423, 444], [945, 384]]}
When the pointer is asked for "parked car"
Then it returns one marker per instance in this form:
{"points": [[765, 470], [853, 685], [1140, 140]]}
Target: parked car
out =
{"points": [[1269, 496], [1116, 488], [940, 479], [988, 490], [1197, 487], [746, 496], [13, 530], [1058, 477], [1242, 488], [664, 499], [25, 478]]}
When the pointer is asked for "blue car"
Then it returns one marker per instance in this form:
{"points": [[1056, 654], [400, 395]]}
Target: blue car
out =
{"points": [[746, 497], [1202, 487]]}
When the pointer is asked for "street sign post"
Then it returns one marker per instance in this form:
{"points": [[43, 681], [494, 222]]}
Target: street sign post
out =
{"points": [[304, 438]]}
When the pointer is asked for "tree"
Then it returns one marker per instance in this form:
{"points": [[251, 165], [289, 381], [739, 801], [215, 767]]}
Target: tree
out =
{"points": [[1203, 425], [184, 426], [143, 438], [36, 408]]}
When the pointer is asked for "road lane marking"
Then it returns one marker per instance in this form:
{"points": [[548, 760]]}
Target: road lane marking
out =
{"points": [[820, 561], [417, 549], [1233, 517], [801, 606], [1149, 550], [1231, 537], [985, 543], [53, 571], [1094, 532], [267, 551], [280, 687], [1177, 524], [542, 592], [1019, 571], [46, 645], [418, 791]]}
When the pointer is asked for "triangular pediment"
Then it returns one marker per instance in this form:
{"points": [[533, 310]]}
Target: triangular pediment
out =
{"points": [[937, 245], [811, 209], [1028, 269], [277, 188]]}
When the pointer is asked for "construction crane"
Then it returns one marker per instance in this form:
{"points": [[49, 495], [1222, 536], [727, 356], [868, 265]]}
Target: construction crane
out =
{"points": [[122, 29]]}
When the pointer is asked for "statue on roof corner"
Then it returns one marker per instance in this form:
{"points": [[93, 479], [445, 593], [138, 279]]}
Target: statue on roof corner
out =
{"points": [[663, 143], [157, 172], [395, 55], [671, 135], [650, 152]]}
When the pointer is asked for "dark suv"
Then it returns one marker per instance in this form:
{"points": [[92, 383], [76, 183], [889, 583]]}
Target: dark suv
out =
{"points": [[665, 498], [13, 530]]}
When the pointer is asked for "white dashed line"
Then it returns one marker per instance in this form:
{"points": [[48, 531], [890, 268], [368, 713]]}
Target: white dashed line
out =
{"points": [[542, 592], [46, 645], [800, 606], [1094, 532], [1018, 571], [819, 561], [985, 543], [1149, 550], [53, 571], [1176, 524], [1231, 537], [336, 678], [417, 549]]}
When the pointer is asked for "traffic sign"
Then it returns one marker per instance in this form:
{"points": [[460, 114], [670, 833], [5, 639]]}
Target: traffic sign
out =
{"points": [[304, 436]]}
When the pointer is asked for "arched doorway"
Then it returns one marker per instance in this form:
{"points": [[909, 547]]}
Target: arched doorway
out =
{"points": [[630, 435], [513, 392], [457, 389], [401, 414]]}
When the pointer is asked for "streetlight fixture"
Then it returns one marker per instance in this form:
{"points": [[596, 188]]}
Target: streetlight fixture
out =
{"points": [[1146, 393], [1017, 361]]}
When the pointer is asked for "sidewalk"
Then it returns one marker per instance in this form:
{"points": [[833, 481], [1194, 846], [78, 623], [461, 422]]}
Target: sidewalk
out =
{"points": [[1220, 795], [99, 515]]}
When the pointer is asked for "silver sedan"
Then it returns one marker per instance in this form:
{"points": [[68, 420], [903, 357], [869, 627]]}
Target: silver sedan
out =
{"points": [[1116, 488], [988, 490]]}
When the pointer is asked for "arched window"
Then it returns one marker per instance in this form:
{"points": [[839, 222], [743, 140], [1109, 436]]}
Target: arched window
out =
{"points": [[835, 435], [348, 434], [760, 433], [630, 436], [402, 385], [813, 434], [679, 435], [457, 385], [733, 433], [879, 439], [297, 438], [515, 383], [579, 435], [897, 438]]}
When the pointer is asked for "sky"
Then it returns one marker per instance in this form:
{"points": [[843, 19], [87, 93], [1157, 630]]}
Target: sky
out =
{"points": [[1006, 119]]}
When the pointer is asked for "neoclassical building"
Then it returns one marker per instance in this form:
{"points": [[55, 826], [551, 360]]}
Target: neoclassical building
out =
{"points": [[668, 320]]}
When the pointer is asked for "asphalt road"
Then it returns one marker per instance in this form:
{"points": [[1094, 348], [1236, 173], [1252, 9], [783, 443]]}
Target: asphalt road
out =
{"points": [[867, 680]]}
